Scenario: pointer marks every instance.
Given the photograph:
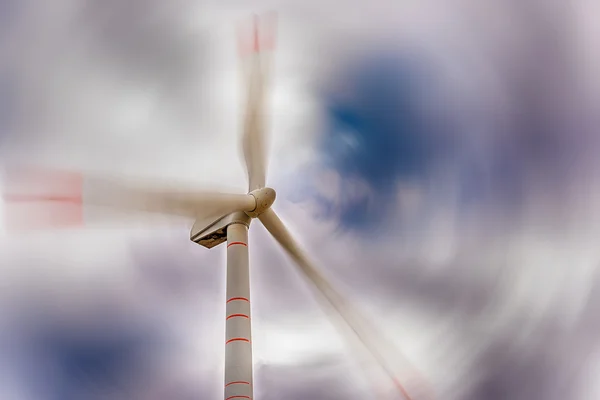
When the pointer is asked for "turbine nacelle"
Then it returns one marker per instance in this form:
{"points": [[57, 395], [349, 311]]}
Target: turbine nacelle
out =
{"points": [[265, 198], [212, 231]]}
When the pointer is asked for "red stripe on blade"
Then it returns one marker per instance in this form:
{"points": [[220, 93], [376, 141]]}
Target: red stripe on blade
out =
{"points": [[27, 198], [256, 47], [240, 243], [402, 390], [42, 199]]}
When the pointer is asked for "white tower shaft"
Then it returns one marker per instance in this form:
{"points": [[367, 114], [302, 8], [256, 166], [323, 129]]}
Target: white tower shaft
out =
{"points": [[238, 339]]}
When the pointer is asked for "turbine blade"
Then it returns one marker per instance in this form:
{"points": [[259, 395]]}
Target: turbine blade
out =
{"points": [[167, 199], [254, 141], [55, 199], [336, 306]]}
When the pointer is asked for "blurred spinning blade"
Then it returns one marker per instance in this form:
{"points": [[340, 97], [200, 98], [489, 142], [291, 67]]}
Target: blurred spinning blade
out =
{"points": [[255, 62], [37, 198], [336, 307]]}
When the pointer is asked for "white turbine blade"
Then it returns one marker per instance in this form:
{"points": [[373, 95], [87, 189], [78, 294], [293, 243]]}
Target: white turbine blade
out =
{"points": [[335, 301], [41, 198], [167, 199], [254, 139]]}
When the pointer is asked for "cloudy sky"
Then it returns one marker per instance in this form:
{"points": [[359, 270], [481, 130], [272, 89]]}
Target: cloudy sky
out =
{"points": [[438, 160]]}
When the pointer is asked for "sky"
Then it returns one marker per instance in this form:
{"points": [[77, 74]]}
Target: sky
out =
{"points": [[437, 160]]}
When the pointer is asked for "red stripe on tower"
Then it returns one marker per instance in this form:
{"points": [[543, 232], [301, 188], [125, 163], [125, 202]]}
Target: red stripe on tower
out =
{"points": [[238, 339], [237, 383], [238, 299], [239, 243], [237, 316]]}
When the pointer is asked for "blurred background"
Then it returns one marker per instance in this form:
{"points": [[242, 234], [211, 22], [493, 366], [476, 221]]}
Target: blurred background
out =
{"points": [[439, 160]]}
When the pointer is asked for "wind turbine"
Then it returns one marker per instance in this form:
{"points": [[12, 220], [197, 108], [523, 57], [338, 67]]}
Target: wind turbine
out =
{"points": [[226, 217]]}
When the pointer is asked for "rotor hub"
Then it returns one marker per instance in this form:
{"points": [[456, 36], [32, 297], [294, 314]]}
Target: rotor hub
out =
{"points": [[265, 198]]}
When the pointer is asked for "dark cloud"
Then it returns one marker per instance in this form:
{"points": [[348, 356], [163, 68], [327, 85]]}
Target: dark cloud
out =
{"points": [[451, 291], [108, 62], [377, 119], [145, 40], [94, 353], [86, 363], [8, 12], [376, 132], [496, 148], [8, 99], [547, 366], [540, 77], [86, 339], [520, 359], [176, 266]]}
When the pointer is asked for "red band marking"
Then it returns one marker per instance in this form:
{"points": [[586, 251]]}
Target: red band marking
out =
{"points": [[402, 389], [256, 46], [232, 243], [238, 299], [27, 198], [238, 339], [237, 382], [237, 315], [238, 397]]}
